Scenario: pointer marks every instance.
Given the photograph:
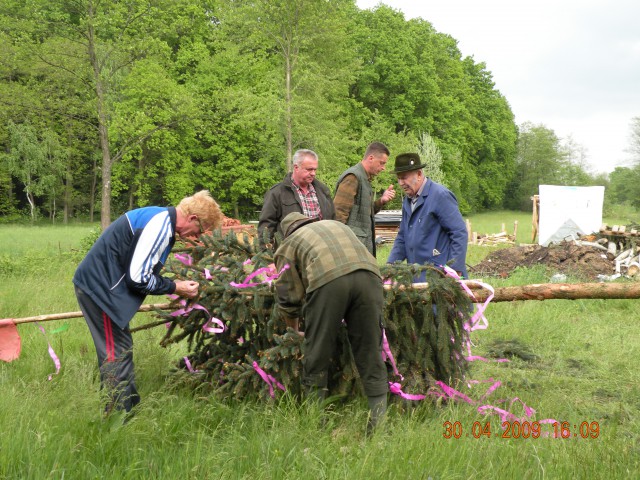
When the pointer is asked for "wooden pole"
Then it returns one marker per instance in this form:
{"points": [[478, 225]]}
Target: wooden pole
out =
{"points": [[63, 316], [542, 291], [535, 221], [560, 291]]}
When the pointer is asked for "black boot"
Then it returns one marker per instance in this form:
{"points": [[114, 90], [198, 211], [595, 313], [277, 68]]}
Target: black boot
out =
{"points": [[377, 410], [317, 394]]}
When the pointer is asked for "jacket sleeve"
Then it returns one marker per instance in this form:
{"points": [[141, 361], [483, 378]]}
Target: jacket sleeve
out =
{"points": [[345, 197], [270, 215], [290, 292], [146, 259], [326, 203], [398, 252], [452, 222]]}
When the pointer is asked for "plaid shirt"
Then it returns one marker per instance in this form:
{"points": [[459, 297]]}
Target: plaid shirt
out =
{"points": [[309, 201], [317, 253]]}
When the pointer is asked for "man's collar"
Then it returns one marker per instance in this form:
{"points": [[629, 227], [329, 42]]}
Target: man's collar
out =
{"points": [[421, 189]]}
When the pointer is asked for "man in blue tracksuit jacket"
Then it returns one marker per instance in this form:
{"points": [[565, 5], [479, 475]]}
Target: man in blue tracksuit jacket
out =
{"points": [[432, 229], [121, 269]]}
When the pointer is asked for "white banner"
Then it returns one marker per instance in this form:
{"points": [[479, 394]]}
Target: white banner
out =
{"points": [[567, 211]]}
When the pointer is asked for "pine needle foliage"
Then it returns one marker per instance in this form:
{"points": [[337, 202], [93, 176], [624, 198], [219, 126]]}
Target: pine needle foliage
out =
{"points": [[424, 327]]}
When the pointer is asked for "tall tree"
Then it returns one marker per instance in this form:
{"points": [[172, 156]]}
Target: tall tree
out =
{"points": [[98, 43], [35, 161], [312, 64], [543, 158]]}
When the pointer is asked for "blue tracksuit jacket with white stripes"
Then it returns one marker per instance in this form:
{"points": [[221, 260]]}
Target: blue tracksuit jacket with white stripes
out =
{"points": [[123, 266]]}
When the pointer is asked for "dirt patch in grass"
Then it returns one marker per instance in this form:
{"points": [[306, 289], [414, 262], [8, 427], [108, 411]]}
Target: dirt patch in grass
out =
{"points": [[566, 258]]}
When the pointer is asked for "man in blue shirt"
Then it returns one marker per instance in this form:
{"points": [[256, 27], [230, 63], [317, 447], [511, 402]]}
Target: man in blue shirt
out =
{"points": [[432, 229], [121, 269]]}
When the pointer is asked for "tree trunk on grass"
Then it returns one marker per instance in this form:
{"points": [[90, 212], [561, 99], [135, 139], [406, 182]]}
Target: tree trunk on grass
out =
{"points": [[559, 291]]}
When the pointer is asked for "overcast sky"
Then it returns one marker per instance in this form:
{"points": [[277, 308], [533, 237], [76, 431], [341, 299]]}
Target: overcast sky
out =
{"points": [[571, 65]]}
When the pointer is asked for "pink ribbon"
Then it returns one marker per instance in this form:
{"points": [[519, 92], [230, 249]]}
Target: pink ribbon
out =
{"points": [[210, 329], [268, 278], [52, 354], [478, 321], [269, 380], [207, 326], [453, 393], [396, 389], [184, 258], [478, 316], [386, 354], [473, 358], [505, 415], [189, 367]]}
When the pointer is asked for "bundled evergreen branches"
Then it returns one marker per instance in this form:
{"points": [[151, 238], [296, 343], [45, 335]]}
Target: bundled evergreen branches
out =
{"points": [[256, 353]]}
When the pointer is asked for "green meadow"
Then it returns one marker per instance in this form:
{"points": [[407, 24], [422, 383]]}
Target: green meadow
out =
{"points": [[571, 362]]}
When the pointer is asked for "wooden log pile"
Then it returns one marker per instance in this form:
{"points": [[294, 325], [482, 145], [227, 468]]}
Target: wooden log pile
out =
{"points": [[493, 239], [619, 241]]}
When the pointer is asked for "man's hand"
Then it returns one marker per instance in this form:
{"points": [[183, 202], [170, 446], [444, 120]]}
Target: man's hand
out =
{"points": [[187, 288], [388, 195]]}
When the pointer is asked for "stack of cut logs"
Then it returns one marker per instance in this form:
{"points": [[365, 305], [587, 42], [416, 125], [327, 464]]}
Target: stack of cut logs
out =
{"points": [[619, 241], [493, 239]]}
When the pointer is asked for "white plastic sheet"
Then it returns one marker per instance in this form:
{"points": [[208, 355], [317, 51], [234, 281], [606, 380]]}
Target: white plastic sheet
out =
{"points": [[567, 211]]}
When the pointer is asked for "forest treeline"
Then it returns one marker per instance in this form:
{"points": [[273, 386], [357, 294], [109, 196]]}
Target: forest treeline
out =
{"points": [[108, 105]]}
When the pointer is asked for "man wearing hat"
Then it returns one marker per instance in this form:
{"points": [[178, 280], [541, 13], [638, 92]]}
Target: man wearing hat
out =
{"points": [[432, 229], [331, 277]]}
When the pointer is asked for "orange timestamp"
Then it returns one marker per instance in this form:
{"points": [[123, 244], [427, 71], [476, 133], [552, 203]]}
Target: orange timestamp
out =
{"points": [[523, 429]]}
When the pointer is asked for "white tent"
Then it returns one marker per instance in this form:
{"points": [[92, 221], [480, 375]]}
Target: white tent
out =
{"points": [[568, 211]]}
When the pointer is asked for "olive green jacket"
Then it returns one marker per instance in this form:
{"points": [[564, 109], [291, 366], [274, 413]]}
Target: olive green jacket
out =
{"points": [[316, 254]]}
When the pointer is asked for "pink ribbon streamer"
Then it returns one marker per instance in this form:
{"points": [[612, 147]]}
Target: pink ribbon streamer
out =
{"points": [[185, 259], [189, 367], [478, 317], [478, 321], [386, 354], [264, 270], [207, 326], [210, 329], [52, 354], [396, 389], [473, 358], [453, 393], [505, 415], [269, 380]]}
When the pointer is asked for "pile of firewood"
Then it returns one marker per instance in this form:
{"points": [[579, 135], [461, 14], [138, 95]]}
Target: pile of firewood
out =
{"points": [[492, 239], [620, 242]]}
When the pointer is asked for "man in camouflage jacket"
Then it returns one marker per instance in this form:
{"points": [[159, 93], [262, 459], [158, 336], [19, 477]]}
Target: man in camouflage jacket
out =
{"points": [[331, 277]]}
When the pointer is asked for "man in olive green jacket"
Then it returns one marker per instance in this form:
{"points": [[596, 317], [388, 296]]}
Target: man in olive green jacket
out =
{"points": [[355, 202], [331, 277]]}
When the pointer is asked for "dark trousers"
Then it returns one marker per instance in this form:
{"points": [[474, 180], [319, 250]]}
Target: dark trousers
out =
{"points": [[358, 299], [114, 347]]}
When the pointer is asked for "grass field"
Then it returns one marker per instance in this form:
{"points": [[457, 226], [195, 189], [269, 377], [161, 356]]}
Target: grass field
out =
{"points": [[581, 370]]}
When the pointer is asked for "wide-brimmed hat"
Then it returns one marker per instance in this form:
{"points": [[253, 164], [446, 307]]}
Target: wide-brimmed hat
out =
{"points": [[405, 162], [294, 221]]}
